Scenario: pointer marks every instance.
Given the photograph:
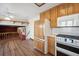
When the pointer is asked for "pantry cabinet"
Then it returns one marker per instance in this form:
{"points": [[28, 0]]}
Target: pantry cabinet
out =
{"points": [[38, 36], [39, 44], [38, 29]]}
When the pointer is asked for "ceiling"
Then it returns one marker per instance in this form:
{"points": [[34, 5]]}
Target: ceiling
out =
{"points": [[23, 10]]}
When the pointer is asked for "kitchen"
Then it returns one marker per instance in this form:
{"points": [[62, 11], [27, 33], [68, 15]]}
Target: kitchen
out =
{"points": [[63, 30], [54, 30]]}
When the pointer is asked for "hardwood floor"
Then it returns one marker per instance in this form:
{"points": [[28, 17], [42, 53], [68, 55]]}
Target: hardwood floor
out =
{"points": [[13, 46]]}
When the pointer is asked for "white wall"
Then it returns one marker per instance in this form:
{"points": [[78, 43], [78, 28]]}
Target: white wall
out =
{"points": [[30, 28], [68, 31]]}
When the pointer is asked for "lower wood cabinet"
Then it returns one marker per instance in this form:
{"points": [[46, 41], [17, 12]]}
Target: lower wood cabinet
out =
{"points": [[39, 45], [51, 45]]}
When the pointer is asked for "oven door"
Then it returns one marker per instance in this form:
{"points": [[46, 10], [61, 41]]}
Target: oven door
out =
{"points": [[67, 50]]}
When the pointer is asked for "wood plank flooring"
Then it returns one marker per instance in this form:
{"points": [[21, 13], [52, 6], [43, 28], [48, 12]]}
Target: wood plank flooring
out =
{"points": [[16, 47]]}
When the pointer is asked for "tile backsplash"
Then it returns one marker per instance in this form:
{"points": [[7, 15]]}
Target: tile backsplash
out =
{"points": [[66, 30]]}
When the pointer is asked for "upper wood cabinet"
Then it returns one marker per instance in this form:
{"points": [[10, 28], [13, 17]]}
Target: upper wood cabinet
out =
{"points": [[76, 7], [47, 15], [62, 9], [42, 17], [70, 8], [53, 17], [58, 11], [67, 9]]}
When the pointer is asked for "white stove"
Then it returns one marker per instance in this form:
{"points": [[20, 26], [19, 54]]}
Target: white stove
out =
{"points": [[68, 43]]}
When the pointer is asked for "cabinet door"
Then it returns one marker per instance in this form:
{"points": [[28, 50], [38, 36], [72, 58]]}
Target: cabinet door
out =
{"points": [[39, 44], [76, 7], [38, 30], [51, 45], [62, 9], [54, 17], [70, 8], [47, 15], [42, 17]]}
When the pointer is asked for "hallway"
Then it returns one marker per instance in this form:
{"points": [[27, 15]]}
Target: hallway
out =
{"points": [[16, 47]]}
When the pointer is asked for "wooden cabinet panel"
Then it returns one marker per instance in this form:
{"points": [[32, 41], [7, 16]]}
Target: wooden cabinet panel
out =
{"points": [[53, 17], [42, 17], [39, 44], [51, 45], [38, 30], [62, 9], [67, 9], [47, 15], [76, 7], [70, 8]]}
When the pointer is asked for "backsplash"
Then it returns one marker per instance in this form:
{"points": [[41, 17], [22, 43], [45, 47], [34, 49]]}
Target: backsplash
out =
{"points": [[68, 31]]}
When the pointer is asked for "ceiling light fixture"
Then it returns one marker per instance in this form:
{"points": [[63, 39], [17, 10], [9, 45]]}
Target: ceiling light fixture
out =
{"points": [[39, 4]]}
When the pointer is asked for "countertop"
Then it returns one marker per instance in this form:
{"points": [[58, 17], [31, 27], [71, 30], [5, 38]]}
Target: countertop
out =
{"points": [[68, 36]]}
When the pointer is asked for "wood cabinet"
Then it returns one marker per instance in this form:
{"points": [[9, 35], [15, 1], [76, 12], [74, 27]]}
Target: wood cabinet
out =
{"points": [[39, 44], [53, 17], [62, 9], [51, 45], [38, 29], [42, 17], [67, 9], [76, 7], [47, 15], [58, 11], [38, 34], [70, 8]]}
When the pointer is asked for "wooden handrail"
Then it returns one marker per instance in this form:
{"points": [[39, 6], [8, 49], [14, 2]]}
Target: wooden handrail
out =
{"points": [[8, 32]]}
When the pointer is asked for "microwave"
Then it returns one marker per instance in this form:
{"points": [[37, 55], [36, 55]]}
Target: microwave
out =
{"points": [[69, 20]]}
